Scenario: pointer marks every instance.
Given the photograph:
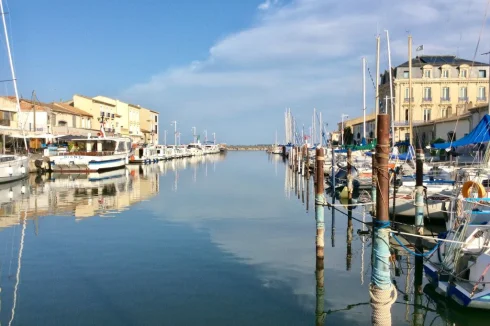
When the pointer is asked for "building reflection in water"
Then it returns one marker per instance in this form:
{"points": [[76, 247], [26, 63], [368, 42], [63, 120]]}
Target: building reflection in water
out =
{"points": [[102, 194]]}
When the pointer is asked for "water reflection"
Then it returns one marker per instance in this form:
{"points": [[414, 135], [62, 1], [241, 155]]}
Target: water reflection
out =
{"points": [[104, 194]]}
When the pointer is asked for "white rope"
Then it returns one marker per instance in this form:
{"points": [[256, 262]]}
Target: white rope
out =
{"points": [[381, 302]]}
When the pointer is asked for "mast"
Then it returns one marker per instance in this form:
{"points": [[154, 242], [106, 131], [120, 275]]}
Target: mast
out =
{"points": [[14, 79], [364, 97], [165, 137], [175, 132], [377, 86], [321, 130], [19, 265], [392, 106], [410, 116], [314, 126]]}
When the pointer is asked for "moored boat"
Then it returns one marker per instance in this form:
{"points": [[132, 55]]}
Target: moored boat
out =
{"points": [[93, 154]]}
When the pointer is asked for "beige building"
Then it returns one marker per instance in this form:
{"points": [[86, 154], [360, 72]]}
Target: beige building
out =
{"points": [[149, 125], [102, 111], [357, 127], [134, 115], [443, 89], [8, 113]]}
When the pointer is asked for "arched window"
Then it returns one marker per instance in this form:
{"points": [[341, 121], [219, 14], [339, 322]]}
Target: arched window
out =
{"points": [[358, 135], [371, 134], [62, 123]]}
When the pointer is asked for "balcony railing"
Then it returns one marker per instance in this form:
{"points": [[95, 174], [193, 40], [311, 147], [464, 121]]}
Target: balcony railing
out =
{"points": [[407, 99], [406, 123], [463, 99], [481, 99], [5, 122], [427, 99], [445, 99]]}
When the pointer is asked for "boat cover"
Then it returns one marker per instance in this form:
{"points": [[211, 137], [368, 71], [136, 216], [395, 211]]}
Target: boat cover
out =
{"points": [[480, 134]]}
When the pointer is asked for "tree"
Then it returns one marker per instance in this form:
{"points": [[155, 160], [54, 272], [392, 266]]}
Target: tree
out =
{"points": [[348, 136]]}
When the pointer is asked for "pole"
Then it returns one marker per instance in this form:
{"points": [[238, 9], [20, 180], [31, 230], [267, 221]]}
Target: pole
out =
{"points": [[314, 126], [34, 110], [342, 131], [350, 231], [392, 107], [381, 288], [419, 198], [418, 309], [374, 182], [349, 173], [321, 130], [377, 84], [319, 201], [165, 137], [364, 97], [410, 131]]}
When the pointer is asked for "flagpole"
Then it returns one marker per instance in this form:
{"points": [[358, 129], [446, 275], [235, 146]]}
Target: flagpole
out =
{"points": [[391, 90]]}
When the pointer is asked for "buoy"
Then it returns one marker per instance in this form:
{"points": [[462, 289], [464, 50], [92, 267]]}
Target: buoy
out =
{"points": [[344, 193], [468, 186]]}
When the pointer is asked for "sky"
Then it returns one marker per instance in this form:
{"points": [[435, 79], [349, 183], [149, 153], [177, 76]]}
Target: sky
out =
{"points": [[225, 66]]}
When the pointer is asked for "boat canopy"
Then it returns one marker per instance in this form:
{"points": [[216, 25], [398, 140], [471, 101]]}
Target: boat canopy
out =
{"points": [[480, 134]]}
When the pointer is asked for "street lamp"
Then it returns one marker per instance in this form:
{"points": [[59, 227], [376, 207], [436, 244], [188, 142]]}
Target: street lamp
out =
{"points": [[342, 131]]}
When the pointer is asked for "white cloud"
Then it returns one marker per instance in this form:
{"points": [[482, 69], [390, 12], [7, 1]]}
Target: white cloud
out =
{"points": [[267, 4], [303, 54]]}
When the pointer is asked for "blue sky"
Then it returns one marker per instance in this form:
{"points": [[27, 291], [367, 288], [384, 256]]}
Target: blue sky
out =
{"points": [[231, 67]]}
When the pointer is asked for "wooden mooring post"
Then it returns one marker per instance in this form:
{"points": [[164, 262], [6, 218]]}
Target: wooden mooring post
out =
{"points": [[350, 185], [382, 291], [319, 202]]}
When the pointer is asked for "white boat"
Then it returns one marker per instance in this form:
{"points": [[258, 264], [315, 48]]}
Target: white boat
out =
{"points": [[459, 269], [161, 152], [195, 149], [93, 154], [13, 167], [435, 208], [211, 149], [144, 154]]}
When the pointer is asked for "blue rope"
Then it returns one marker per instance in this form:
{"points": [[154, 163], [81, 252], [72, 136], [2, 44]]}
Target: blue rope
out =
{"points": [[416, 253], [381, 224]]}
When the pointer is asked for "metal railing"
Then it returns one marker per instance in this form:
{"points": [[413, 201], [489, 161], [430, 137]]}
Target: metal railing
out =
{"points": [[407, 99], [481, 99], [463, 99], [427, 99], [445, 99]]}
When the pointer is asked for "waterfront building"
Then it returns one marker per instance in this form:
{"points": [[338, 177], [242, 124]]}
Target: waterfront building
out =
{"points": [[444, 87], [149, 126]]}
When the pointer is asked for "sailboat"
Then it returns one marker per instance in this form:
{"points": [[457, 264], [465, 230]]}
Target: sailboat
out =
{"points": [[276, 149], [12, 166]]}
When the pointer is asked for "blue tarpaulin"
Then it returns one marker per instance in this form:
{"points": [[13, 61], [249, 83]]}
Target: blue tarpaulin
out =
{"points": [[480, 134]]}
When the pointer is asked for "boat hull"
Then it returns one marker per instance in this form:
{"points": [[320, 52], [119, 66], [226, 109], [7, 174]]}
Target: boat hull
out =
{"points": [[81, 163], [13, 168]]}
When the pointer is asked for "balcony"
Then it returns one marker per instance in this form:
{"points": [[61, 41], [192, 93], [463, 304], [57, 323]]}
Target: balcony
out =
{"points": [[445, 99], [463, 99], [481, 99], [5, 122], [427, 99], [406, 123], [407, 99]]}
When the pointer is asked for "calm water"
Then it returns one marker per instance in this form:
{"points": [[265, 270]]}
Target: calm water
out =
{"points": [[212, 241]]}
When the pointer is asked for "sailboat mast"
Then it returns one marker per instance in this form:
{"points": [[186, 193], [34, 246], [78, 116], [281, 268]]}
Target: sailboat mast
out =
{"points": [[364, 97], [14, 79], [321, 130], [314, 126], [410, 116], [392, 106], [377, 86]]}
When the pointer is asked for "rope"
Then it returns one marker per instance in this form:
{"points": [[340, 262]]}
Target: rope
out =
{"points": [[381, 302], [413, 253]]}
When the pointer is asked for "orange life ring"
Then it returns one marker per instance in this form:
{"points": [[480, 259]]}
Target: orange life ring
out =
{"points": [[132, 158], [468, 186]]}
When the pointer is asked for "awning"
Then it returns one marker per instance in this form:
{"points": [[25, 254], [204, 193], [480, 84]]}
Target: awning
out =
{"points": [[480, 134]]}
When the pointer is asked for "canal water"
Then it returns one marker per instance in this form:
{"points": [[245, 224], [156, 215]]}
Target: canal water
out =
{"points": [[217, 240]]}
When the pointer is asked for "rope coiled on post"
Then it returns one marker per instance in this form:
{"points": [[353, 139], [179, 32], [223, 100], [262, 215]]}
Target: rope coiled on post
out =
{"points": [[381, 302]]}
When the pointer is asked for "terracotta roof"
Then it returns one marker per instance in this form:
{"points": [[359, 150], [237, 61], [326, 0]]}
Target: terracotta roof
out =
{"points": [[26, 105], [145, 130], [69, 109]]}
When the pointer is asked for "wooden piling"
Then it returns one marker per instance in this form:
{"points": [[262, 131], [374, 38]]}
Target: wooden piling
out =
{"points": [[382, 291], [349, 174], [319, 201], [419, 191], [374, 183], [350, 231]]}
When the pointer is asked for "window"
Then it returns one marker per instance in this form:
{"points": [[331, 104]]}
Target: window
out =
{"points": [[427, 94], [445, 73], [481, 93], [427, 73], [444, 113], [156, 129], [445, 93], [405, 74], [62, 123], [464, 73], [89, 124], [463, 94], [427, 113], [406, 115], [74, 121], [156, 118], [482, 73], [407, 136]]}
